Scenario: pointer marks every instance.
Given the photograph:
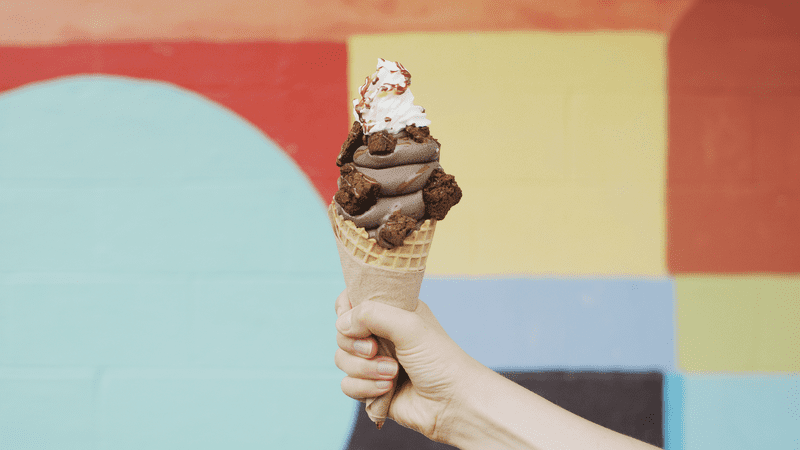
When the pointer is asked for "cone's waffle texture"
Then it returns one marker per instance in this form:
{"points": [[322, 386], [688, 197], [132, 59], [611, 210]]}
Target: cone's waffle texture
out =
{"points": [[411, 256]]}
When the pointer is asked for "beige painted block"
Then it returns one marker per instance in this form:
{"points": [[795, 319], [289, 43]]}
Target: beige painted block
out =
{"points": [[738, 323]]}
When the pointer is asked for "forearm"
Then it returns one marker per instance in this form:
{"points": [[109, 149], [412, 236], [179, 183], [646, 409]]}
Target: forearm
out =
{"points": [[501, 414]]}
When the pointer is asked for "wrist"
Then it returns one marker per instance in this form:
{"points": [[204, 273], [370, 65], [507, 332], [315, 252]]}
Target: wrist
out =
{"points": [[481, 414], [489, 419], [500, 414]]}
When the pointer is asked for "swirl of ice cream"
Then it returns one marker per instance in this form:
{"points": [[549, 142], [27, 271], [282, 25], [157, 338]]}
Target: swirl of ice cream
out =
{"points": [[390, 173], [401, 176], [386, 102], [406, 152]]}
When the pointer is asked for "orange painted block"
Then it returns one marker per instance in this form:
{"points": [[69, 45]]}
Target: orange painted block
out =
{"points": [[47, 22]]}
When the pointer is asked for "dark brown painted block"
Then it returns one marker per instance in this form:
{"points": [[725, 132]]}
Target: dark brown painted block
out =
{"points": [[629, 403]]}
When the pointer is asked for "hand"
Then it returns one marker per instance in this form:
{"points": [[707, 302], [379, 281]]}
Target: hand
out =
{"points": [[437, 372], [448, 396]]}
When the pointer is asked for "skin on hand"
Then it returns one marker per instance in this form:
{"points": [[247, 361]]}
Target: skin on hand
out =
{"points": [[437, 372]]}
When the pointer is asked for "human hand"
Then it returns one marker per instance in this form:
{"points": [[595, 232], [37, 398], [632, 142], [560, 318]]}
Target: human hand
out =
{"points": [[437, 374]]}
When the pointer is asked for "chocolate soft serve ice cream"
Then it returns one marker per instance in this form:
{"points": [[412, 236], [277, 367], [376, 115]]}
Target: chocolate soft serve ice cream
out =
{"points": [[391, 180]]}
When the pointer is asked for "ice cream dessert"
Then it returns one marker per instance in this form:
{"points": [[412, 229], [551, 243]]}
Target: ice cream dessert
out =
{"points": [[391, 180], [392, 190]]}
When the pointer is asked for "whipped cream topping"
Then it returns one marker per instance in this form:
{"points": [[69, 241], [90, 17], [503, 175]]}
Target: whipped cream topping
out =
{"points": [[386, 101]]}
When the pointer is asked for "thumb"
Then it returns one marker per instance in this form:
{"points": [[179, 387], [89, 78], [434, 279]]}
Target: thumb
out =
{"points": [[403, 328]]}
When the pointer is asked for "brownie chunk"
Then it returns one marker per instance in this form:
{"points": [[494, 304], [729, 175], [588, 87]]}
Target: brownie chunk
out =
{"points": [[381, 143], [354, 140], [358, 192], [440, 194], [418, 134], [396, 229]]}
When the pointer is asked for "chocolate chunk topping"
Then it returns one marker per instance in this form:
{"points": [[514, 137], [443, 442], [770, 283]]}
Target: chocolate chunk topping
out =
{"points": [[354, 140], [381, 143], [418, 134], [440, 194], [347, 168], [396, 229], [358, 192]]}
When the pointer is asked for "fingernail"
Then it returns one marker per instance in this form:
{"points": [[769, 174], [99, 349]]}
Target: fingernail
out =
{"points": [[383, 384], [343, 322], [362, 346], [387, 368]]}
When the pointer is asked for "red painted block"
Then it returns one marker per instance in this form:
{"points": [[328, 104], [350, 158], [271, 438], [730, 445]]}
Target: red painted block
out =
{"points": [[777, 141], [737, 45], [733, 183], [733, 231], [296, 93], [715, 136]]}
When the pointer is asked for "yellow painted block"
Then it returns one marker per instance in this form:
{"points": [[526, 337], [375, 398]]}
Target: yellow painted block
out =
{"points": [[617, 139], [558, 141], [477, 239], [738, 323]]}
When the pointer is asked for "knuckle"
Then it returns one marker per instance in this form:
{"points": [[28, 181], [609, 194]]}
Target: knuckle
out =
{"points": [[364, 311], [337, 358], [348, 388], [341, 341], [337, 306]]}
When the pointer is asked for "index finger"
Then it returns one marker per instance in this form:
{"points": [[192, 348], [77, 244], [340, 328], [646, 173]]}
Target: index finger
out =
{"points": [[343, 303]]}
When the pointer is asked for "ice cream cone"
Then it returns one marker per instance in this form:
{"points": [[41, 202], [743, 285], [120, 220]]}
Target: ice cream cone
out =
{"points": [[409, 257], [391, 276], [390, 179]]}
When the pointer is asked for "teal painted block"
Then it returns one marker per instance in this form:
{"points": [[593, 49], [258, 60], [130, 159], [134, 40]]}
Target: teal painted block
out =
{"points": [[81, 320], [111, 213], [268, 323], [309, 239], [142, 225], [106, 174], [674, 399], [46, 408], [215, 409], [742, 412]]}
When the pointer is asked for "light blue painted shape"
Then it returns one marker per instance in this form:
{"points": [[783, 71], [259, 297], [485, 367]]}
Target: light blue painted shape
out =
{"points": [[267, 333], [531, 324], [742, 412], [673, 411], [46, 408], [91, 320], [145, 229], [240, 409]]}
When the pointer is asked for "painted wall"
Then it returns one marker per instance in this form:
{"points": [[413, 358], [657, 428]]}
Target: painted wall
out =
{"points": [[167, 270]]}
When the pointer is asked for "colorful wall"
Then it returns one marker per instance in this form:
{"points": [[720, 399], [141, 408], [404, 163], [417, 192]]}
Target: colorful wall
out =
{"points": [[627, 245]]}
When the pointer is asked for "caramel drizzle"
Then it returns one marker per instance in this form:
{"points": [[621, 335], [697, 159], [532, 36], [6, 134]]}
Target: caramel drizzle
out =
{"points": [[413, 179]]}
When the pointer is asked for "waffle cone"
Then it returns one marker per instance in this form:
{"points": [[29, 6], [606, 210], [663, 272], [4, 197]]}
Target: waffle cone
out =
{"points": [[411, 256], [390, 276]]}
